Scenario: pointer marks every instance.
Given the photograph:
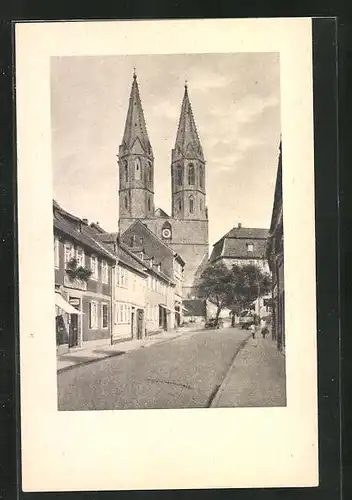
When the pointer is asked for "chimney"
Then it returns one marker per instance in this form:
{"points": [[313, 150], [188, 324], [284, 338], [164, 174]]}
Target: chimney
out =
{"points": [[85, 221], [239, 225]]}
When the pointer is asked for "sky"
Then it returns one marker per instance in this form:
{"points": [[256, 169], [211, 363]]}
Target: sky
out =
{"points": [[236, 105]]}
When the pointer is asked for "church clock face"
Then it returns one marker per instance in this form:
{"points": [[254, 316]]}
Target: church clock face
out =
{"points": [[166, 233]]}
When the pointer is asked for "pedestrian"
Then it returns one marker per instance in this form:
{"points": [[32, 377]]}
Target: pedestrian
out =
{"points": [[265, 331], [252, 328]]}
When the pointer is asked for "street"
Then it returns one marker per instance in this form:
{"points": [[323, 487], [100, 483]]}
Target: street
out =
{"points": [[185, 372]]}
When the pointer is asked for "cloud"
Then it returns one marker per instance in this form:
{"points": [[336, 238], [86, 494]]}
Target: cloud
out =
{"points": [[207, 80], [166, 110], [253, 106]]}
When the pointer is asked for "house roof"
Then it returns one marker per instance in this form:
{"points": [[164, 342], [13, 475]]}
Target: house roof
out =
{"points": [[70, 229], [247, 233], [125, 257], [234, 244]]}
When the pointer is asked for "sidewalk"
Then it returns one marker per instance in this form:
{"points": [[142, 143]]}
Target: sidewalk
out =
{"points": [[256, 377], [97, 351]]}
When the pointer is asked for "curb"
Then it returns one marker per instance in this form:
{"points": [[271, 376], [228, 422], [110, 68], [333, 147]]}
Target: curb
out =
{"points": [[113, 354], [216, 396]]}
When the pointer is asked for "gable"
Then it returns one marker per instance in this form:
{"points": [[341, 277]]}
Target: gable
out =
{"points": [[137, 147]]}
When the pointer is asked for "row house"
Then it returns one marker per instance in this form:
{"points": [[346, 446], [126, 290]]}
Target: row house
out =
{"points": [[83, 283], [166, 273], [275, 255], [144, 296]]}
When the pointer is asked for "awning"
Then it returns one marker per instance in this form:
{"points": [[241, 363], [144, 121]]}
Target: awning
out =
{"points": [[167, 308], [64, 305]]}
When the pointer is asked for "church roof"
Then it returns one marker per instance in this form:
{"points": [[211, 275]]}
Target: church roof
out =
{"points": [[159, 212], [135, 127], [187, 140]]}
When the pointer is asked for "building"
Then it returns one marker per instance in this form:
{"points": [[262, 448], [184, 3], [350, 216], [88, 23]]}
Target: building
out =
{"points": [[186, 229], [83, 283], [275, 256], [241, 245], [165, 270]]}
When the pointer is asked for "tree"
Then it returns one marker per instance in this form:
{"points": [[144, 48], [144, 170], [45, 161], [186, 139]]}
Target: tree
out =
{"points": [[235, 288], [249, 282], [215, 285]]}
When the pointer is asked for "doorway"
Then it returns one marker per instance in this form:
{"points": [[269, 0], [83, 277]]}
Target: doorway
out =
{"points": [[132, 324], [73, 336], [140, 318]]}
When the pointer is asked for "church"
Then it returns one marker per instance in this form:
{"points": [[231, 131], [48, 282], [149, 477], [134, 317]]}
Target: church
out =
{"points": [[185, 230]]}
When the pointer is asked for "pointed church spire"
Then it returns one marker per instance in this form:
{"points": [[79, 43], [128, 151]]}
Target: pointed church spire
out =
{"points": [[135, 127], [187, 140]]}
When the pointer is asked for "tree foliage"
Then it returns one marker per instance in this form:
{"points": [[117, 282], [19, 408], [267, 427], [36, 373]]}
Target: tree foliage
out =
{"points": [[235, 288]]}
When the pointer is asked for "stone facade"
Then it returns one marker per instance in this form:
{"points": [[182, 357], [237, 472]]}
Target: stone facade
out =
{"points": [[186, 230], [275, 255]]}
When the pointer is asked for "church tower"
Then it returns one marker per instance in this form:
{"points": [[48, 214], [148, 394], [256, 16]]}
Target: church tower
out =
{"points": [[136, 166], [189, 210], [188, 169]]}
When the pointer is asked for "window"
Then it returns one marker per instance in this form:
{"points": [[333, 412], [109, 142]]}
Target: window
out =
{"points": [[94, 267], [179, 204], [150, 172], [126, 170], [69, 252], [201, 177], [201, 205], [137, 169], [179, 176], [125, 202], [191, 205], [149, 205], [80, 257], [191, 176], [104, 315], [104, 272], [56, 252], [93, 315], [249, 247]]}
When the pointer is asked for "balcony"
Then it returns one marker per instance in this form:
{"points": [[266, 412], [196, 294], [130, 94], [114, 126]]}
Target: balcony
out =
{"points": [[74, 283]]}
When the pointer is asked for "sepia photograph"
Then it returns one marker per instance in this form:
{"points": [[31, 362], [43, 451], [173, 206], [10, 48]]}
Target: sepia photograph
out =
{"points": [[166, 222], [168, 231]]}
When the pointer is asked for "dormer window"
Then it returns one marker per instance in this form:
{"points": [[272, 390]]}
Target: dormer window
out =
{"points": [[250, 247]]}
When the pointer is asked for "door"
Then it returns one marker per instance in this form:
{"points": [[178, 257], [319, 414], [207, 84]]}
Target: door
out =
{"points": [[139, 323], [132, 324], [73, 337]]}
